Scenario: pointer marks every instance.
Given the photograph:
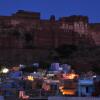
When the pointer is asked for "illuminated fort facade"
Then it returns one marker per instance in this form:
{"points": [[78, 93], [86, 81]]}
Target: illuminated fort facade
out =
{"points": [[25, 36]]}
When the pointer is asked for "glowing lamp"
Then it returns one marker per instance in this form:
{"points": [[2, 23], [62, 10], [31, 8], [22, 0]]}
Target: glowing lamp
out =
{"points": [[5, 70], [30, 78], [70, 76], [94, 76], [68, 92]]}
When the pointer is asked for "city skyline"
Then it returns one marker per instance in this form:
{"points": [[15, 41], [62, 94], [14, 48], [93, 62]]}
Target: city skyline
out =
{"points": [[58, 8]]}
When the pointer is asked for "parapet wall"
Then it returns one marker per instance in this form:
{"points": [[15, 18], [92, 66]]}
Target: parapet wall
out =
{"points": [[74, 98]]}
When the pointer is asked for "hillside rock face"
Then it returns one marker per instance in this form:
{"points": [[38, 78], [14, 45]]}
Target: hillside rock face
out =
{"points": [[95, 32], [24, 36]]}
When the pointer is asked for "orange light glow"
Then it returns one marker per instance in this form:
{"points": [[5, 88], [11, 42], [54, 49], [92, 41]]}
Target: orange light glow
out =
{"points": [[70, 76], [61, 87], [68, 92], [61, 90], [30, 78]]}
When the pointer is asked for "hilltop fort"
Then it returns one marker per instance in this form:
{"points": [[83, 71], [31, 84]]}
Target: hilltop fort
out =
{"points": [[25, 36]]}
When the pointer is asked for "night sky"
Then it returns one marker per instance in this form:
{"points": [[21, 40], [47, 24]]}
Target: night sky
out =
{"points": [[90, 8]]}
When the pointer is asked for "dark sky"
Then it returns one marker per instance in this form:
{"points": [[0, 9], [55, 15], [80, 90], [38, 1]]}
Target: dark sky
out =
{"points": [[59, 8]]}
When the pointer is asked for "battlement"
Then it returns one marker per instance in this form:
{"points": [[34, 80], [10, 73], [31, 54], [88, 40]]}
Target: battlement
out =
{"points": [[75, 18], [27, 14]]}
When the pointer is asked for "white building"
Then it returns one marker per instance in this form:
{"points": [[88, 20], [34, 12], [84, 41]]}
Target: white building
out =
{"points": [[55, 66]]}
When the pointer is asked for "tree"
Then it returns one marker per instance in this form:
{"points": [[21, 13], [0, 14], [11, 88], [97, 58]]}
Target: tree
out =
{"points": [[29, 69], [28, 37], [44, 65], [96, 69], [65, 51]]}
